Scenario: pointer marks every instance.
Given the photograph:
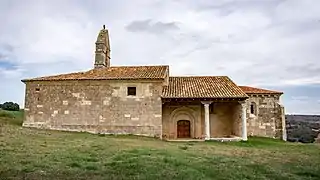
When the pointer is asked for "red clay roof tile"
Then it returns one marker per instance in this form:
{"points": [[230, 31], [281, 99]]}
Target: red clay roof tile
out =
{"points": [[202, 87], [114, 72], [253, 90]]}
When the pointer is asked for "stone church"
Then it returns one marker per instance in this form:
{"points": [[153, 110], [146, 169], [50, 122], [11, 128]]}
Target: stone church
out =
{"points": [[146, 101]]}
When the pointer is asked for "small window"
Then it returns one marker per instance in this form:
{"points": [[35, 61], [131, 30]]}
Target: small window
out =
{"points": [[37, 89], [253, 108], [132, 91]]}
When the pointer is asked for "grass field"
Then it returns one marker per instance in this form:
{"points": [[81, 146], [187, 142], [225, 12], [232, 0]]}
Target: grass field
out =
{"points": [[39, 154]]}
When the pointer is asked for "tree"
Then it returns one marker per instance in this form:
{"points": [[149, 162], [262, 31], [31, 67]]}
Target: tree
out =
{"points": [[10, 106], [0, 106]]}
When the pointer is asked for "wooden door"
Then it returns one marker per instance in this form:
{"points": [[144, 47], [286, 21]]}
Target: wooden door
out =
{"points": [[183, 129]]}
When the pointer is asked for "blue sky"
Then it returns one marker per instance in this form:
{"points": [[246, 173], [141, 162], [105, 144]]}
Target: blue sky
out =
{"points": [[265, 43]]}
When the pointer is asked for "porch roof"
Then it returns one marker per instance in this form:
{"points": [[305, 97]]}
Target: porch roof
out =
{"points": [[254, 90], [202, 87]]}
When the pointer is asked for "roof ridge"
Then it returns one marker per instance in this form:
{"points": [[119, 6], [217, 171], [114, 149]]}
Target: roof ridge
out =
{"points": [[196, 76], [138, 66]]}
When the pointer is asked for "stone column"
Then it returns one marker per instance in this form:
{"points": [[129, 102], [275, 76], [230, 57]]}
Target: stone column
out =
{"points": [[206, 119], [244, 121]]}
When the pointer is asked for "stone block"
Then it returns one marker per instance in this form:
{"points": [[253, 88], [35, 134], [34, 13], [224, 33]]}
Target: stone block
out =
{"points": [[85, 102], [82, 102]]}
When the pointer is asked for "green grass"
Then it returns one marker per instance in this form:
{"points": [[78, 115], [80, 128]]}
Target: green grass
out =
{"points": [[12, 117], [39, 154]]}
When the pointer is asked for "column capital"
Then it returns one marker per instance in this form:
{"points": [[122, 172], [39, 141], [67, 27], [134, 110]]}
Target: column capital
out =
{"points": [[206, 102], [242, 103]]}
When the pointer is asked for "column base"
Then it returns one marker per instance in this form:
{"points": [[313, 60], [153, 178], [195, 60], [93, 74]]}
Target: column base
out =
{"points": [[244, 139]]}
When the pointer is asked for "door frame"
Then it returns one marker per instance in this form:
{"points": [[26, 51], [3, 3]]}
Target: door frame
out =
{"points": [[189, 128], [182, 113]]}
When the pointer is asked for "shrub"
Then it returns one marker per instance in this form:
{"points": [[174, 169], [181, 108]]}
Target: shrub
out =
{"points": [[0, 106], [10, 106]]}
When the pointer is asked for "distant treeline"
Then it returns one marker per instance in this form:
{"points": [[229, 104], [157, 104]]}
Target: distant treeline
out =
{"points": [[10, 106], [302, 128], [303, 117]]}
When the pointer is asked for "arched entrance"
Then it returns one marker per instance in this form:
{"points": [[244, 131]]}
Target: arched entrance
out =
{"points": [[183, 129]]}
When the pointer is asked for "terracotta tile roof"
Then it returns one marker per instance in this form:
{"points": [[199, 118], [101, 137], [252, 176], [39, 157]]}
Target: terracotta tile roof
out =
{"points": [[253, 90], [202, 87], [113, 72]]}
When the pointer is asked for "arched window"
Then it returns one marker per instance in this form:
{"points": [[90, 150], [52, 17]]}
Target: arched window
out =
{"points": [[253, 108]]}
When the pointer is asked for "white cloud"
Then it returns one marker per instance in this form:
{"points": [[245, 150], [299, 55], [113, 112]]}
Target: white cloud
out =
{"points": [[264, 43]]}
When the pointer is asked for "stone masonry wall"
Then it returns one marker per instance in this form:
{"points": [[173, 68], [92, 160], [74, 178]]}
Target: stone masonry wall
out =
{"points": [[225, 120], [267, 119], [173, 112], [237, 121], [95, 106]]}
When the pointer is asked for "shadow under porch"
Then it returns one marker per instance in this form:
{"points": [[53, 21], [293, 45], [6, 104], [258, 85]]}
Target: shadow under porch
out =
{"points": [[184, 119]]}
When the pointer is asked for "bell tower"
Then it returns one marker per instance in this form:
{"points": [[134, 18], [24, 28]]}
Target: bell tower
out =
{"points": [[102, 53]]}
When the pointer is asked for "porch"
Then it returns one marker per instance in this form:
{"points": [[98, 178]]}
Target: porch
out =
{"points": [[203, 119]]}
